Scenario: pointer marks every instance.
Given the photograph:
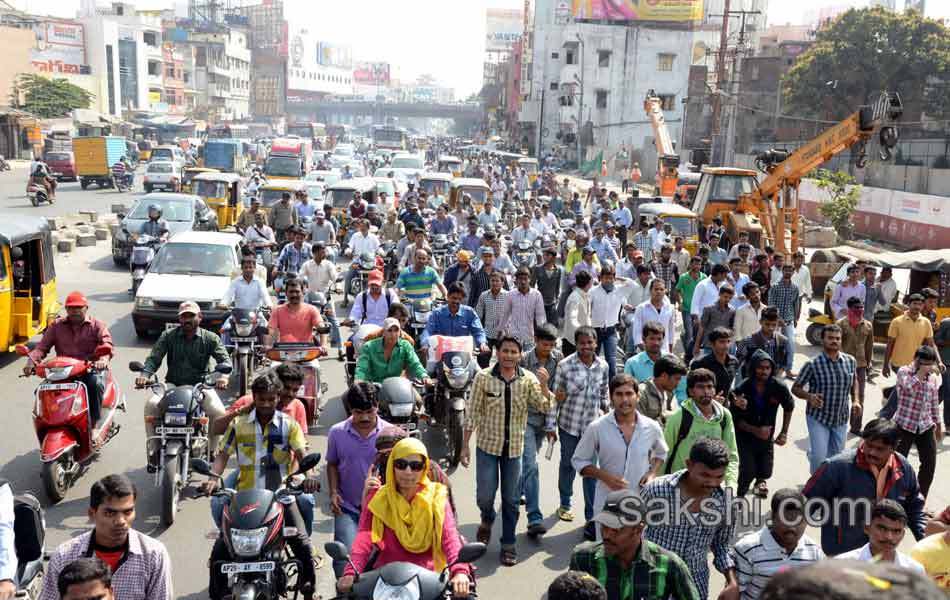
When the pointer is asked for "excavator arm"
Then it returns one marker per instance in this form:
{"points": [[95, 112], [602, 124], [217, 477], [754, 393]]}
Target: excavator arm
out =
{"points": [[667, 169]]}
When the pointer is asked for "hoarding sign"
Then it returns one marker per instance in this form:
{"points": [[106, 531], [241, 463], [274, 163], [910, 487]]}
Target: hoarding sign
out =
{"points": [[60, 48], [638, 10], [315, 66], [503, 27], [376, 73]]}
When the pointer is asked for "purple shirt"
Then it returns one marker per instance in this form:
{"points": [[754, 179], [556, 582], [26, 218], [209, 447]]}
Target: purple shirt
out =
{"points": [[352, 454]]}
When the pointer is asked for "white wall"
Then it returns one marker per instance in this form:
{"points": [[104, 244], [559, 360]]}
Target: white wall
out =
{"points": [[100, 32]]}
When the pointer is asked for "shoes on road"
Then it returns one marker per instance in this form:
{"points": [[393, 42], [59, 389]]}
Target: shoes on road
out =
{"points": [[508, 557], [590, 531], [483, 534], [536, 530], [565, 514]]}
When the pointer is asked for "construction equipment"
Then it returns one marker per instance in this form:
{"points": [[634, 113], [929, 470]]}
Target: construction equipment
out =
{"points": [[667, 161], [768, 210]]}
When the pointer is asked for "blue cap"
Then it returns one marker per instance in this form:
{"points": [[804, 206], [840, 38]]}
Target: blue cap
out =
{"points": [[587, 250]]}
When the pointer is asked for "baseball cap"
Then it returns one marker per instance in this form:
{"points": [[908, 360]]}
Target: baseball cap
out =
{"points": [[638, 254], [76, 299], [390, 322], [189, 306], [487, 250], [622, 508], [375, 277]]}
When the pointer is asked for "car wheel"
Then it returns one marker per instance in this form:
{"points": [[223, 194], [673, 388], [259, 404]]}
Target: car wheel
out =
{"points": [[148, 188]]}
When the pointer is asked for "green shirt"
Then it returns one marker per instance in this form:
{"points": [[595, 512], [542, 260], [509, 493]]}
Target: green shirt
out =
{"points": [[417, 286], [720, 426], [187, 359], [373, 366], [686, 285], [655, 573]]}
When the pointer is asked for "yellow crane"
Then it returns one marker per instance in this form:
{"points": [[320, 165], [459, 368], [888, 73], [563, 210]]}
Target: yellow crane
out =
{"points": [[667, 161]]}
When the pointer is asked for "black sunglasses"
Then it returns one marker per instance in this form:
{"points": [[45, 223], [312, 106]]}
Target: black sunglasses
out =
{"points": [[401, 464]]}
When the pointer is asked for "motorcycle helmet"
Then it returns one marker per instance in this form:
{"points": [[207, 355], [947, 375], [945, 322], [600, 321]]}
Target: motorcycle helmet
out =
{"points": [[318, 299], [367, 261], [156, 209]]}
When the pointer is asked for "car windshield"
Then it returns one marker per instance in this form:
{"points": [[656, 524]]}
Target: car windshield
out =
{"points": [[172, 209], [283, 166], [684, 226], [430, 185], [408, 162], [212, 189], [57, 156], [162, 154], [271, 197], [160, 168], [386, 186], [315, 192], [343, 151], [730, 187], [194, 259], [478, 195], [340, 198]]}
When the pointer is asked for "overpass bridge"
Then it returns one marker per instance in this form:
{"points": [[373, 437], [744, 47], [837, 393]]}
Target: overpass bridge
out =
{"points": [[352, 113]]}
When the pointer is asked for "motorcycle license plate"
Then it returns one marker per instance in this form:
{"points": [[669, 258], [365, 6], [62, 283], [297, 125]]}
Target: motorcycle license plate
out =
{"points": [[256, 567], [57, 174], [50, 387], [410, 426], [173, 430], [243, 339]]}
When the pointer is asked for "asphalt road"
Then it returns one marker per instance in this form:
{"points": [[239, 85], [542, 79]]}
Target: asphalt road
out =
{"points": [[92, 271]]}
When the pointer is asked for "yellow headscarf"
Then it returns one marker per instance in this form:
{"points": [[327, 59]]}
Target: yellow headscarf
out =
{"points": [[418, 525]]}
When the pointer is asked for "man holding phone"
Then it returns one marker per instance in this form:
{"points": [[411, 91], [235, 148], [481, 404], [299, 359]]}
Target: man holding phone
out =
{"points": [[918, 412]]}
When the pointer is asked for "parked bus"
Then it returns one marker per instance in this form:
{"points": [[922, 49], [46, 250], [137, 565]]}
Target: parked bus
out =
{"points": [[315, 132], [392, 138]]}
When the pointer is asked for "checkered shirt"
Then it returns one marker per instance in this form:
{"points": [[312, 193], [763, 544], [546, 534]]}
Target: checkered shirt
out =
{"points": [[498, 410], [785, 298], [918, 402], [833, 380], [685, 534], [145, 573], [488, 309], [668, 272], [586, 393], [645, 245]]}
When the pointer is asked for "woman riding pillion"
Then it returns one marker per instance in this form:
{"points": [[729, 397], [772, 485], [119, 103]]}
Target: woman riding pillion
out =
{"points": [[409, 519]]}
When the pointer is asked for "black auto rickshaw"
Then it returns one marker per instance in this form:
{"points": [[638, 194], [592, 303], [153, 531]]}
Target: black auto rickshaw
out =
{"points": [[27, 279]]}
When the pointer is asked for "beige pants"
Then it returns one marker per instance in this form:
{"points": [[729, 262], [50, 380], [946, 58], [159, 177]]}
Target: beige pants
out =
{"points": [[210, 403]]}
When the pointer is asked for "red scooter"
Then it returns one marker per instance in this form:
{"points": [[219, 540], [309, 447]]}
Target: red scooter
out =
{"points": [[62, 421]]}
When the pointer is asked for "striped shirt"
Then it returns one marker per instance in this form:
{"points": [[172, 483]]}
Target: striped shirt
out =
{"points": [[261, 451], [655, 573], [498, 410], [758, 557], [417, 285]]}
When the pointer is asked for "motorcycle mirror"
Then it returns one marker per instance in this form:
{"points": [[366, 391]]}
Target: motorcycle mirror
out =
{"points": [[22, 350], [336, 551], [323, 329], [223, 369], [470, 552], [136, 367], [201, 466], [309, 461]]}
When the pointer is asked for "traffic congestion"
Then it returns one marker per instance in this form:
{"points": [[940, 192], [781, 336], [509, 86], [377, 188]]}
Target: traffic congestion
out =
{"points": [[330, 367]]}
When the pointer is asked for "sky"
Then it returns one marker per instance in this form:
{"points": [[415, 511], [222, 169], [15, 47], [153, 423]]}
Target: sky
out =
{"points": [[444, 38]]}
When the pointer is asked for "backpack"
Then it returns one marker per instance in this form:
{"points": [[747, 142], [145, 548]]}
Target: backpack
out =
{"points": [[29, 527], [685, 424], [388, 302]]}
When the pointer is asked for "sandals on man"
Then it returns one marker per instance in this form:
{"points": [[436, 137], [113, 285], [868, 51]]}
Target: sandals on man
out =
{"points": [[483, 535], [508, 557], [761, 489]]}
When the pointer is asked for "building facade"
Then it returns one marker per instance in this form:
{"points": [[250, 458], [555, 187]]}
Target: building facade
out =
{"points": [[222, 73]]}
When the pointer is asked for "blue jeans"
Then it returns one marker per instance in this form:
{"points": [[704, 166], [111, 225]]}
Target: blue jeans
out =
{"points": [[607, 339], [344, 531], [628, 345], [530, 483], [566, 473], [824, 441], [490, 471], [305, 503], [788, 330], [687, 334]]}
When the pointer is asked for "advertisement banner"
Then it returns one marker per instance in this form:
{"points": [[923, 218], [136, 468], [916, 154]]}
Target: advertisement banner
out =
{"points": [[638, 10], [60, 48], [375, 73], [316, 66], [503, 27], [332, 55]]}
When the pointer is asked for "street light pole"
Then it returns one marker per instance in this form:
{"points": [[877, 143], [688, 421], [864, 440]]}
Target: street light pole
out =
{"points": [[580, 110]]}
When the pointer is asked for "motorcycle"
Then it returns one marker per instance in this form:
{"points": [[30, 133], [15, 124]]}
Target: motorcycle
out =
{"points": [[525, 254], [387, 251], [144, 248], [38, 194], [363, 265], [244, 341], [419, 311], [443, 249], [62, 420], [260, 565], [305, 355], [182, 433], [29, 536], [122, 183], [397, 403], [401, 580], [445, 405]]}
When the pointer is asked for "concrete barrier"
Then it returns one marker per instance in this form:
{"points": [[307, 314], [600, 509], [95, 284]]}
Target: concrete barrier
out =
{"points": [[55, 223], [84, 228], [102, 234], [86, 239], [91, 215], [66, 245]]}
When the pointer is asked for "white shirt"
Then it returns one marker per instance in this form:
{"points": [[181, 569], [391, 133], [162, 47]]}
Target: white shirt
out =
{"points": [[639, 293], [551, 221], [888, 291], [360, 243], [520, 234], [539, 225], [249, 295], [259, 234], [319, 276], [705, 294], [681, 258], [747, 321], [863, 554], [605, 306], [658, 239], [498, 189], [576, 313], [646, 312], [738, 300]]}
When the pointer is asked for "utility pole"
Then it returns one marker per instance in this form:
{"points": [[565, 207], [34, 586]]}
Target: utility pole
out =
{"points": [[723, 143], [738, 52], [720, 70], [580, 110]]}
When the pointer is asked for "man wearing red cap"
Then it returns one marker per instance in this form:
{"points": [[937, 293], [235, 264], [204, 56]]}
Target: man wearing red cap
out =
{"points": [[77, 335], [371, 305]]}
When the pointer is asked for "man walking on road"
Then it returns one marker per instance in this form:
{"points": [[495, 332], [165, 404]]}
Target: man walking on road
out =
{"points": [[522, 310], [918, 412], [905, 335], [857, 339], [685, 288], [787, 298]]}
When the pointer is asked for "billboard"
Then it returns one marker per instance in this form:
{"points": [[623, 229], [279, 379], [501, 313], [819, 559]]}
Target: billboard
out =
{"points": [[638, 10], [373, 73], [60, 48], [316, 66], [334, 55], [503, 27]]}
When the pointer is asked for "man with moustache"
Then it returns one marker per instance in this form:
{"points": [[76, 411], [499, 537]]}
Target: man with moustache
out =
{"points": [[885, 531]]}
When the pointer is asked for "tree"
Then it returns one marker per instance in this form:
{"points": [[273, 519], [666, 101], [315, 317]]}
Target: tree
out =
{"points": [[843, 199], [48, 98], [867, 51]]}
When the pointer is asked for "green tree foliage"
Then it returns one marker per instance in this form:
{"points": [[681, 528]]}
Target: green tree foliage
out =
{"points": [[49, 98], [867, 51], [843, 199]]}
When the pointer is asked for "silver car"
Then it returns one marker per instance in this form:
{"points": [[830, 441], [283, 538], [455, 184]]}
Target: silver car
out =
{"points": [[162, 174]]}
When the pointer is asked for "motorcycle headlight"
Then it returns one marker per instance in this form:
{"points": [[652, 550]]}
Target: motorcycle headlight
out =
{"points": [[244, 329], [248, 542], [58, 373], [400, 410], [408, 591], [173, 418], [456, 377], [143, 302]]}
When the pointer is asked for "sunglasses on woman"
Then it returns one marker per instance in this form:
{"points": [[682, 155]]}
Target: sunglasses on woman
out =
{"points": [[401, 464]]}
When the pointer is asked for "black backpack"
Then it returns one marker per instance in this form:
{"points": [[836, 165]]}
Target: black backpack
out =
{"points": [[386, 293], [29, 527], [685, 424]]}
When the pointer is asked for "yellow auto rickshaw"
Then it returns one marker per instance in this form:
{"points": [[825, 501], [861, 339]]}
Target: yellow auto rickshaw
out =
{"points": [[451, 165], [27, 279], [222, 192], [271, 192], [340, 194], [927, 269], [475, 188], [684, 222], [530, 166], [189, 174], [430, 182], [145, 150]]}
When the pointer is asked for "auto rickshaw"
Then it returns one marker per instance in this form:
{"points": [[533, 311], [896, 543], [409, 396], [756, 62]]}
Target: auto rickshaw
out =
{"points": [[530, 166], [340, 194], [145, 150], [684, 221], [477, 189], [451, 165], [222, 192], [271, 192], [28, 301], [927, 269], [429, 182], [189, 174]]}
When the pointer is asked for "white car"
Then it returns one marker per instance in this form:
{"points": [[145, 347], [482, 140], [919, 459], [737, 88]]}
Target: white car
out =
{"points": [[162, 174], [347, 150], [168, 152], [411, 166], [194, 265], [315, 192], [328, 178]]}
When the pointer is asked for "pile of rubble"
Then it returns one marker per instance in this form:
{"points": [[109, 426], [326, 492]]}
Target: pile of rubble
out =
{"points": [[85, 228]]}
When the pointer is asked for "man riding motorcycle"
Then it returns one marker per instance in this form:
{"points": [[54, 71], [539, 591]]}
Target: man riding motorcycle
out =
{"points": [[455, 320], [295, 321], [246, 292], [40, 176], [122, 170], [288, 446], [189, 349], [156, 226], [77, 335]]}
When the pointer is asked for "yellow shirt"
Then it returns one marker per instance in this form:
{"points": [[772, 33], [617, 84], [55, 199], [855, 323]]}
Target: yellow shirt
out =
{"points": [[908, 336], [575, 256], [933, 553], [258, 450]]}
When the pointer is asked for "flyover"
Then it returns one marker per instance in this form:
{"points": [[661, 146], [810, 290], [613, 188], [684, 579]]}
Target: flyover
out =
{"points": [[355, 112]]}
